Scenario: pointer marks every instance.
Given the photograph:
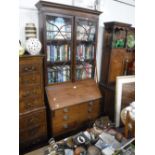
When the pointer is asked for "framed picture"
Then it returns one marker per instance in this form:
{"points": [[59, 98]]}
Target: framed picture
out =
{"points": [[86, 4], [124, 95]]}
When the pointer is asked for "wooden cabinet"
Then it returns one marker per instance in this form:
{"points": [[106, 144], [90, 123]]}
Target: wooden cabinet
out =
{"points": [[73, 105], [118, 59], [32, 111], [69, 37]]}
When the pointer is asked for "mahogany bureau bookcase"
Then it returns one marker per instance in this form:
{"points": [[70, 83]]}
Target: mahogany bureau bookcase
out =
{"points": [[32, 111], [69, 36]]}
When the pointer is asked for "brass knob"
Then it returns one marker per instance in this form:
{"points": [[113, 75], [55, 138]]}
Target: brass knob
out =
{"points": [[90, 110], [90, 103], [65, 109], [65, 126], [66, 117]]}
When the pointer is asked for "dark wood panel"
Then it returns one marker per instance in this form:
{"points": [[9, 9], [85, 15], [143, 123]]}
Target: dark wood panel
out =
{"points": [[33, 118]]}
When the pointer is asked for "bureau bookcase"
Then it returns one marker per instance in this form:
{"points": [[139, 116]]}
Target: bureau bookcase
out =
{"points": [[118, 59], [69, 37]]}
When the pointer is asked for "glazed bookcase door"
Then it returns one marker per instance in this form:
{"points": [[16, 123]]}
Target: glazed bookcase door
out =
{"points": [[58, 48], [119, 37], [130, 39], [85, 48]]}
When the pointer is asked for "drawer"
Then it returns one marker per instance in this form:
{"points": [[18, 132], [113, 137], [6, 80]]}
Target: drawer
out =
{"points": [[32, 134], [29, 92], [90, 110], [64, 127], [29, 68], [67, 114], [30, 103], [30, 79], [33, 119]]}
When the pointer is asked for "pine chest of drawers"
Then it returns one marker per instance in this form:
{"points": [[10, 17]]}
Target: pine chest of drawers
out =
{"points": [[32, 111], [73, 105]]}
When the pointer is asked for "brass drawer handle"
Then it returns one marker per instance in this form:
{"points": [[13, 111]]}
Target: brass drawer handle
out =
{"points": [[89, 117], [65, 126], [65, 109], [29, 69], [90, 110], [27, 93], [28, 105], [66, 117]]}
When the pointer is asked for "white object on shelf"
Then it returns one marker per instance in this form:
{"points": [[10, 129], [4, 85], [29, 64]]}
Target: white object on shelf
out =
{"points": [[33, 46]]}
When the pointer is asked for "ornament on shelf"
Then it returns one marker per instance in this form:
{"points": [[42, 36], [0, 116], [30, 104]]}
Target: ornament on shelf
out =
{"points": [[30, 31], [21, 49], [33, 46]]}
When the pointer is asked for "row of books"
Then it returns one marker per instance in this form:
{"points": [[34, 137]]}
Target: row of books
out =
{"points": [[58, 53], [83, 72], [58, 35], [59, 74], [85, 52]]}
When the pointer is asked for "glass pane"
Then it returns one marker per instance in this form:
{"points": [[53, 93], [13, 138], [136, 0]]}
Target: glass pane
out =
{"points": [[58, 48], [58, 74], [119, 38], [85, 49], [57, 53], [86, 30], [130, 43], [58, 28], [84, 52], [83, 71]]}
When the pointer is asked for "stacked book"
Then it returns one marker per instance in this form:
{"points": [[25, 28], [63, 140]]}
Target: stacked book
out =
{"points": [[83, 71], [84, 52], [59, 74], [58, 53]]}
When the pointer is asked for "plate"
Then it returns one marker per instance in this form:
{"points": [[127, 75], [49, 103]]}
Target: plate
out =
{"points": [[130, 41]]}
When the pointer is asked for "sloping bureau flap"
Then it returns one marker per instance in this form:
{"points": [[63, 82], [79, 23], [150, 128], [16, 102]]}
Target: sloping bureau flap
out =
{"points": [[69, 94]]}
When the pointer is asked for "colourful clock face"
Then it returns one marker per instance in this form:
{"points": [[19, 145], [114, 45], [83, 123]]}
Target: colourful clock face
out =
{"points": [[130, 41]]}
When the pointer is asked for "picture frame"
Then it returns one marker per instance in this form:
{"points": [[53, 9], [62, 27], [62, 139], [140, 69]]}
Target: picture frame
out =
{"points": [[122, 81]]}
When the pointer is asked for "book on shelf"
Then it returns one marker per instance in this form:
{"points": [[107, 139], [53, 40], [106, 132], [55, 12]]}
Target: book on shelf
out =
{"points": [[48, 53], [84, 52], [59, 74], [52, 53], [83, 71], [58, 53]]}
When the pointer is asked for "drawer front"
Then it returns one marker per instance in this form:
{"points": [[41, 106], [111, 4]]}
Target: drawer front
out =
{"points": [[29, 92], [90, 110], [64, 127], [33, 119], [30, 103], [32, 134], [30, 79], [67, 114], [29, 68]]}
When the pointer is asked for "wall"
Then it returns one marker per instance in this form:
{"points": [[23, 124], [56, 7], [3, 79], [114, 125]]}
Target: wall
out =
{"points": [[112, 11]]}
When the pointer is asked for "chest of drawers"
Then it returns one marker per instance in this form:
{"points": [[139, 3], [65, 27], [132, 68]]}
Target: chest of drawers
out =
{"points": [[73, 105], [32, 111]]}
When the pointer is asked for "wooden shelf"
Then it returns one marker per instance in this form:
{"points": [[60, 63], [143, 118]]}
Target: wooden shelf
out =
{"points": [[58, 63], [85, 42], [58, 42]]}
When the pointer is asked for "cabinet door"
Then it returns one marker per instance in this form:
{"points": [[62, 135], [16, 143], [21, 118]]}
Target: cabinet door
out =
{"points": [[58, 48], [85, 49]]}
